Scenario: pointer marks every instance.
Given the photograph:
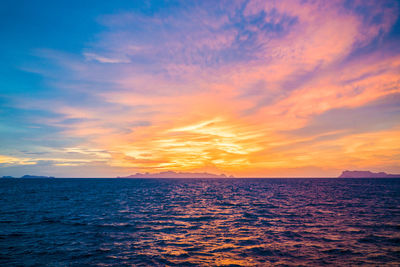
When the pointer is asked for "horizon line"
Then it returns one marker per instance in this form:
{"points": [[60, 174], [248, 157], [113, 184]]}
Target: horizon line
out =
{"points": [[214, 178]]}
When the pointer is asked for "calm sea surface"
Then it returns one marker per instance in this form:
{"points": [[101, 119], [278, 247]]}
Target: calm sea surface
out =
{"points": [[231, 222]]}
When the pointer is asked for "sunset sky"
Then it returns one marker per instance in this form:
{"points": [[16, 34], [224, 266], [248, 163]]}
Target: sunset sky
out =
{"points": [[249, 88]]}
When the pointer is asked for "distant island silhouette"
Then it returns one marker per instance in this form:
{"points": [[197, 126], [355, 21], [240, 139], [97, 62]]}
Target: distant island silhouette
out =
{"points": [[367, 174], [37, 177], [172, 174], [29, 177]]}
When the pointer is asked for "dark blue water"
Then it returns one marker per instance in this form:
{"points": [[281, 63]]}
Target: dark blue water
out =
{"points": [[141, 222]]}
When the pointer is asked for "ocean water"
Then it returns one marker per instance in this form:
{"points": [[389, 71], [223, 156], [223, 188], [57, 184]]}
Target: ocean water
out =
{"points": [[199, 222]]}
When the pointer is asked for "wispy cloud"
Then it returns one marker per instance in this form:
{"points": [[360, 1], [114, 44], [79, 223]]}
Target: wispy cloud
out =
{"points": [[103, 59]]}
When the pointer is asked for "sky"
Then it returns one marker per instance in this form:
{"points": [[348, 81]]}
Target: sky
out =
{"points": [[246, 88]]}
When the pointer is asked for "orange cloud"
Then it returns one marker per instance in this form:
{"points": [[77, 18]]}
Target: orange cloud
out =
{"points": [[224, 98]]}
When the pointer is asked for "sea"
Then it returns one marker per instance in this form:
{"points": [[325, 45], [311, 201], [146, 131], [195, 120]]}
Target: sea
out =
{"points": [[200, 222]]}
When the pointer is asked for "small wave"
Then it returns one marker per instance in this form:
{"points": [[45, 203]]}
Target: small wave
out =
{"points": [[340, 252]]}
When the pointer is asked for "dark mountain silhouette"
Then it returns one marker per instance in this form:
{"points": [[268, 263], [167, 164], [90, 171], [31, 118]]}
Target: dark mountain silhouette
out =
{"points": [[171, 174], [367, 174]]}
